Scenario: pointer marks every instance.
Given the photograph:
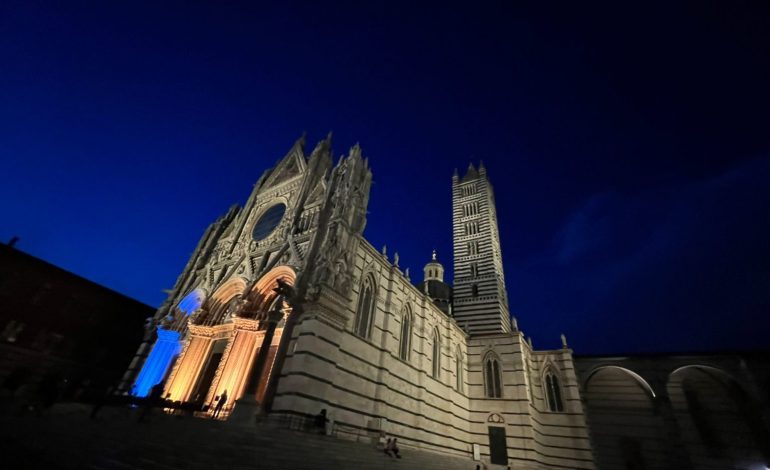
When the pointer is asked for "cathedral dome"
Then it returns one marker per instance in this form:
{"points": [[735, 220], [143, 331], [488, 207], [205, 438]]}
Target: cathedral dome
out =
{"points": [[434, 286], [433, 271]]}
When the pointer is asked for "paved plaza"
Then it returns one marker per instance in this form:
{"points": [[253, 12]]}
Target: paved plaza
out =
{"points": [[65, 438]]}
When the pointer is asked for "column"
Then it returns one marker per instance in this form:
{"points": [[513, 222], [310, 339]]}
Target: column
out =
{"points": [[189, 365], [237, 360], [166, 347]]}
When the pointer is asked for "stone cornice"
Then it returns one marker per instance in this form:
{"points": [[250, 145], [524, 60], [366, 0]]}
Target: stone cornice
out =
{"points": [[248, 324]]}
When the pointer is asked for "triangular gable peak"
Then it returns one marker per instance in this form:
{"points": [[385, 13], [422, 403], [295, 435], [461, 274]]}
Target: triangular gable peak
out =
{"points": [[317, 194], [293, 164]]}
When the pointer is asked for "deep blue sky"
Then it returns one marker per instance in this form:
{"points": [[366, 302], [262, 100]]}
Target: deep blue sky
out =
{"points": [[629, 145]]}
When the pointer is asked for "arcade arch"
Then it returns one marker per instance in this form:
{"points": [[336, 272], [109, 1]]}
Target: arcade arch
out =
{"points": [[627, 431], [718, 420]]}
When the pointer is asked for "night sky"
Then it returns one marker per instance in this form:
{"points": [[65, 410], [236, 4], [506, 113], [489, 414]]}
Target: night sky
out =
{"points": [[629, 146]]}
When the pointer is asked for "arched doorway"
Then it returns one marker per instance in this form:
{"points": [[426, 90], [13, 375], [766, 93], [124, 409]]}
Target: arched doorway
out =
{"points": [[206, 344], [248, 335]]}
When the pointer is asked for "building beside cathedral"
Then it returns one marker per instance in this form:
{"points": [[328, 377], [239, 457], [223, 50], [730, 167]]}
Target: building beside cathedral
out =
{"points": [[54, 324], [285, 301]]}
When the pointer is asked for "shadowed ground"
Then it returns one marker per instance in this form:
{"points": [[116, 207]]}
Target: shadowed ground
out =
{"points": [[66, 438]]}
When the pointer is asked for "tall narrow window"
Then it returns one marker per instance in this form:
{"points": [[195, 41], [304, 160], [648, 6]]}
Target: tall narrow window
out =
{"points": [[475, 290], [406, 335], [492, 377], [553, 392], [458, 371], [436, 354], [365, 313]]}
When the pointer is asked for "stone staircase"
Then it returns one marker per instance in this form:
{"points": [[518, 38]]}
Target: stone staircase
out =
{"points": [[116, 441]]}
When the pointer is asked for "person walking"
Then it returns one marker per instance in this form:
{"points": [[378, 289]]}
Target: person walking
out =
{"points": [[220, 404], [101, 398], [152, 400], [320, 422]]}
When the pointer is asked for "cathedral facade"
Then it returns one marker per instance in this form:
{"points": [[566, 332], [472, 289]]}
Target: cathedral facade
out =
{"points": [[285, 301]]}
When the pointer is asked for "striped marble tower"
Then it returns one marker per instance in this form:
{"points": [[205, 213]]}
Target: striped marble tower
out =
{"points": [[480, 303]]}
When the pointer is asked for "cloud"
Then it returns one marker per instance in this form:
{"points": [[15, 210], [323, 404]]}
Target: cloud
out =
{"points": [[688, 263]]}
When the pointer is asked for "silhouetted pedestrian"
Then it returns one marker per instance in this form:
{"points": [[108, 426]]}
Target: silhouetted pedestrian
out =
{"points": [[391, 448], [49, 391], [153, 399], [320, 421], [99, 401], [220, 404]]}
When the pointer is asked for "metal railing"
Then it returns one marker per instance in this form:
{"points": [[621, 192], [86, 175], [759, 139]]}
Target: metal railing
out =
{"points": [[307, 423]]}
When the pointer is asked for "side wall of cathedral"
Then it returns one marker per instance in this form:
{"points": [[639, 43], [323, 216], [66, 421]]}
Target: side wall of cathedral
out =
{"points": [[369, 388], [365, 380]]}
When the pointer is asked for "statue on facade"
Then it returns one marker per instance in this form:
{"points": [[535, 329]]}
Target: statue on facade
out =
{"points": [[149, 328], [284, 289]]}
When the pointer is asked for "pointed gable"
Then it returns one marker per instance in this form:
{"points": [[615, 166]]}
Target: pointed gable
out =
{"points": [[318, 192], [293, 164]]}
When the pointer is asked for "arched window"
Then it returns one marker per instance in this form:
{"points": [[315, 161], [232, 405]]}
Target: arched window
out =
{"points": [[458, 371], [406, 335], [366, 303], [553, 392], [436, 354], [492, 377]]}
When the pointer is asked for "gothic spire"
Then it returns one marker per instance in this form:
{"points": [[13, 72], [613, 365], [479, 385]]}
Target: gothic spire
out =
{"points": [[325, 144], [471, 173]]}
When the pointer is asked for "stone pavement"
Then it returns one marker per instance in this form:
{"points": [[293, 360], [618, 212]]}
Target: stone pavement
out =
{"points": [[65, 438]]}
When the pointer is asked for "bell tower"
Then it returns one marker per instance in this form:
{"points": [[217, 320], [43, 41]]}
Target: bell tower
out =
{"points": [[480, 303]]}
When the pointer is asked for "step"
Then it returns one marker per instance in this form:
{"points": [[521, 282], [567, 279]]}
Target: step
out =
{"points": [[118, 442]]}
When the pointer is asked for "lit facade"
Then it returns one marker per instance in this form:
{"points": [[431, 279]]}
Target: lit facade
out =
{"points": [[441, 367]]}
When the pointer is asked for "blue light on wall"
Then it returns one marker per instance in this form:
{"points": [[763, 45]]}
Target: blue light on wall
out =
{"points": [[192, 301], [165, 348], [163, 352]]}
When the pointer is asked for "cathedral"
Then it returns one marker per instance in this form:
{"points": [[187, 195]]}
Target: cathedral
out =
{"points": [[285, 303]]}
